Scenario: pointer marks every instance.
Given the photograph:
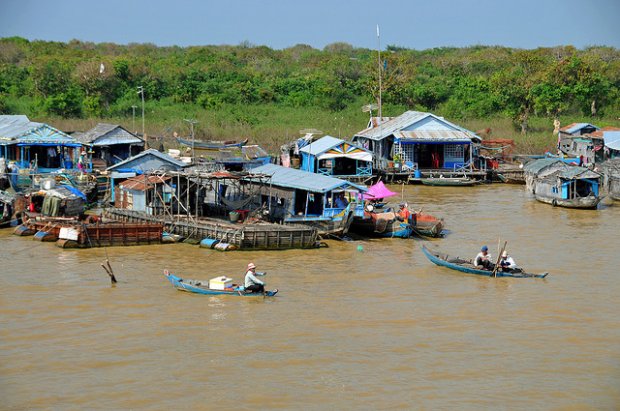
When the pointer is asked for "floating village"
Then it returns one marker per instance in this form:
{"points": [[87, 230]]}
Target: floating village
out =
{"points": [[107, 186]]}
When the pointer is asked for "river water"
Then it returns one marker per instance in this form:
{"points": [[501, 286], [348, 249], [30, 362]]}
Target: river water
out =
{"points": [[358, 325]]}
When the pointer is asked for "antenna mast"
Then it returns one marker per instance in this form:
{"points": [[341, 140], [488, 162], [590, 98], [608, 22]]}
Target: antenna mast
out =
{"points": [[380, 70]]}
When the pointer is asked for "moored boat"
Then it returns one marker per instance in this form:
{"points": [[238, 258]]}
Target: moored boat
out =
{"points": [[466, 266], [427, 225], [212, 145], [202, 287], [448, 181]]}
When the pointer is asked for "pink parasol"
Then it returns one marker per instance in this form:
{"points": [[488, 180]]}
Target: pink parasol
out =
{"points": [[377, 192]]}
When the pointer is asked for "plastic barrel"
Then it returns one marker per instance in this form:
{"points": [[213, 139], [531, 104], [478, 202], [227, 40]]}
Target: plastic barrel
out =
{"points": [[209, 243], [417, 174], [234, 216]]}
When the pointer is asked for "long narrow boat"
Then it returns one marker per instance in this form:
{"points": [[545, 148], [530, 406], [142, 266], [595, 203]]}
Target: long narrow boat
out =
{"points": [[448, 181], [200, 287], [213, 145], [466, 266]]}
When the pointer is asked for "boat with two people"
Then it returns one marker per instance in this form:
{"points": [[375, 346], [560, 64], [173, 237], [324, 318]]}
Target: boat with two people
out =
{"points": [[216, 286], [467, 266]]}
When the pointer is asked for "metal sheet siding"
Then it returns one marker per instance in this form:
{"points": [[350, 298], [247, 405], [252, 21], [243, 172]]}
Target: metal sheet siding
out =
{"points": [[292, 178]]}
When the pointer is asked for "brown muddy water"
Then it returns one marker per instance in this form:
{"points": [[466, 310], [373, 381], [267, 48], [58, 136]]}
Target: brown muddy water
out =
{"points": [[380, 328]]}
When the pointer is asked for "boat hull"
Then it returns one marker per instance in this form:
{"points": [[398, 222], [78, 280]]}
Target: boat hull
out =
{"points": [[443, 260], [448, 182], [373, 226], [586, 203], [200, 145], [195, 288]]}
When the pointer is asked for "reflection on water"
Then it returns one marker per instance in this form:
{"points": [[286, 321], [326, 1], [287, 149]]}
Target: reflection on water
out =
{"points": [[372, 329]]}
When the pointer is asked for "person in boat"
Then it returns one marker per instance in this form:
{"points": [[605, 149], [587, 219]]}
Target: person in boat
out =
{"points": [[253, 284], [341, 201], [507, 263], [403, 213], [483, 259]]}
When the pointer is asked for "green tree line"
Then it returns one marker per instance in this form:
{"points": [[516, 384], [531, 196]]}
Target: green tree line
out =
{"points": [[83, 80]]}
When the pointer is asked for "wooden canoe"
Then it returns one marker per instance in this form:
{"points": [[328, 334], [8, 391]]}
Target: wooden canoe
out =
{"points": [[466, 266], [202, 287], [213, 145], [448, 181]]}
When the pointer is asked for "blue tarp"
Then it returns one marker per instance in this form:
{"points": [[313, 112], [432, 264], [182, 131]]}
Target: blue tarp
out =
{"points": [[76, 192]]}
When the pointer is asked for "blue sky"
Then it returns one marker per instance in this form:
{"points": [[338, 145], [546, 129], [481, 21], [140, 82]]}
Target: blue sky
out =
{"points": [[280, 24]]}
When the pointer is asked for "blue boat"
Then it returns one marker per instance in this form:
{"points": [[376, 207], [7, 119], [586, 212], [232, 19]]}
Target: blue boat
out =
{"points": [[466, 266], [199, 287]]}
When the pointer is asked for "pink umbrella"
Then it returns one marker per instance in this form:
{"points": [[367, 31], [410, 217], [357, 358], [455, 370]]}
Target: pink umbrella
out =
{"points": [[378, 192]]}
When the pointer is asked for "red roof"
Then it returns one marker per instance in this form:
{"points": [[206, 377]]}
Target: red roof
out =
{"points": [[599, 133], [143, 183]]}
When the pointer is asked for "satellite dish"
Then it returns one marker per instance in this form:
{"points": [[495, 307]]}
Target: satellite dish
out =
{"points": [[369, 107]]}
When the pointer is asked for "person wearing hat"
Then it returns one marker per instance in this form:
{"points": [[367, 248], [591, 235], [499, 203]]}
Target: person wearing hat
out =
{"points": [[253, 284], [483, 259], [507, 263]]}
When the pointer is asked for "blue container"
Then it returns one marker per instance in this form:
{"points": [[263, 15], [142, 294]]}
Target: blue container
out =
{"points": [[209, 243], [417, 174]]}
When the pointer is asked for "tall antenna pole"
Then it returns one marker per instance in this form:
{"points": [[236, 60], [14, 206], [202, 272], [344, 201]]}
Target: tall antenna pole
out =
{"points": [[141, 92], [380, 70]]}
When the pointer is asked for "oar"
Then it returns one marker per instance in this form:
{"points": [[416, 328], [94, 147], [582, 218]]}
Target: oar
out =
{"points": [[499, 258]]}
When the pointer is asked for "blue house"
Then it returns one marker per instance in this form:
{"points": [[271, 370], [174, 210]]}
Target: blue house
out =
{"points": [[29, 144], [298, 197], [146, 162], [335, 157], [110, 143], [417, 140], [552, 181]]}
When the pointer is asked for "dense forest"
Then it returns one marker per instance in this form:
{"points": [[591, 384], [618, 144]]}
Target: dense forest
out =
{"points": [[260, 92]]}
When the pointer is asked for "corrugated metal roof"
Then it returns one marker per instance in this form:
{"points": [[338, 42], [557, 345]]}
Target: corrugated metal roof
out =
{"points": [[321, 145], [600, 132], [408, 119], [534, 167], [375, 121], [150, 152], [574, 127], [612, 139], [19, 129], [434, 136], [293, 178], [575, 172], [143, 182], [107, 134]]}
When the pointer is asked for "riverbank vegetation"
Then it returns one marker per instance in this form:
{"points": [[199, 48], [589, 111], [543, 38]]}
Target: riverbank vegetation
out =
{"points": [[269, 95]]}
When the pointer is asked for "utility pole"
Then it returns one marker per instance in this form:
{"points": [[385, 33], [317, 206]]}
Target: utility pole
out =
{"points": [[191, 125], [380, 70], [141, 92], [133, 118]]}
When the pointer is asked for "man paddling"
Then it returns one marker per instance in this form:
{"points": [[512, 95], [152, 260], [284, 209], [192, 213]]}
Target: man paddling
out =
{"points": [[253, 284], [483, 259], [507, 263]]}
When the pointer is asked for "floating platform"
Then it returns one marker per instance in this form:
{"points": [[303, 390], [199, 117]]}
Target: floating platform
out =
{"points": [[79, 235], [258, 236]]}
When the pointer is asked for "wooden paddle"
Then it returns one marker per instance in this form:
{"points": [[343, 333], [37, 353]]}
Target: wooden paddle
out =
{"points": [[499, 257]]}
